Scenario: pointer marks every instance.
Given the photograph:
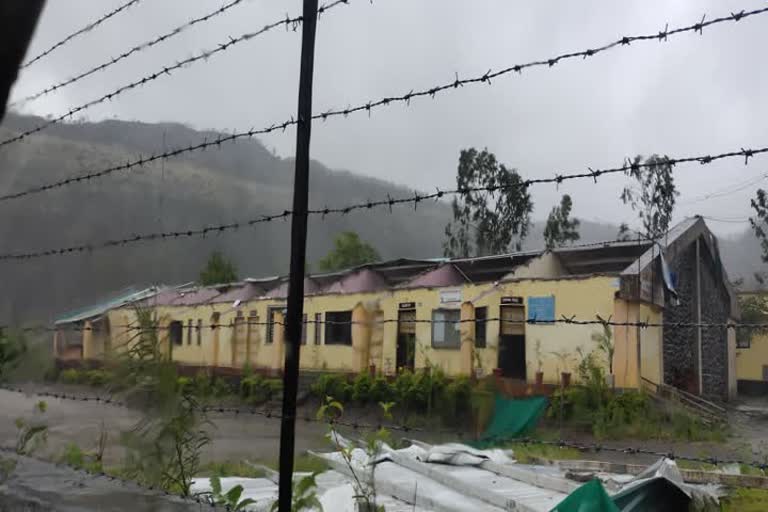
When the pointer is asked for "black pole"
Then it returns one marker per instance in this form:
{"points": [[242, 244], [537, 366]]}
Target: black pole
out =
{"points": [[17, 24], [298, 257]]}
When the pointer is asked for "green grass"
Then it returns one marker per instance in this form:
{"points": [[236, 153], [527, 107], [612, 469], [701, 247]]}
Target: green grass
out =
{"points": [[742, 499], [303, 464], [529, 453], [230, 468]]}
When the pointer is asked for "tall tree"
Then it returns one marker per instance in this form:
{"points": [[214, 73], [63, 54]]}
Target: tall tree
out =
{"points": [[218, 270], [758, 223], [623, 234], [487, 221], [348, 251], [655, 199], [561, 229]]}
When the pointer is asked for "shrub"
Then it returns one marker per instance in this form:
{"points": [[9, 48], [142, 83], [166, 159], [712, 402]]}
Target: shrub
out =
{"points": [[71, 376], [333, 385], [97, 378], [183, 384], [274, 387], [361, 388], [220, 388], [381, 391]]}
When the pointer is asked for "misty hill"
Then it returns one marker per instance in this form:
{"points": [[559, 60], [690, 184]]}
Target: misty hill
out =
{"points": [[240, 181]]}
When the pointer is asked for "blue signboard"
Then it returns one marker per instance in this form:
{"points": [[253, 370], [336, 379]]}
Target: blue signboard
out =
{"points": [[541, 309]]}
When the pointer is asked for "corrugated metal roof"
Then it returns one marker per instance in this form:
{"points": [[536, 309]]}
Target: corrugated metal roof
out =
{"points": [[444, 275], [128, 296], [363, 281]]}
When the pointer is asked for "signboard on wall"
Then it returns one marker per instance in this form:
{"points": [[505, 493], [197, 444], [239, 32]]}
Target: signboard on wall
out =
{"points": [[407, 305], [541, 309], [448, 296], [515, 301]]}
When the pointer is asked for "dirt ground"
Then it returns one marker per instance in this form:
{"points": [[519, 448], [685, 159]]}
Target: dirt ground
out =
{"points": [[256, 438]]}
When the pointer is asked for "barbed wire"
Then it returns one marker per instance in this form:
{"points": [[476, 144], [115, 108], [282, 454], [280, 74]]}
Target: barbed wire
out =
{"points": [[288, 22], [415, 199], [368, 107], [138, 48], [198, 498], [357, 425], [563, 320], [81, 31]]}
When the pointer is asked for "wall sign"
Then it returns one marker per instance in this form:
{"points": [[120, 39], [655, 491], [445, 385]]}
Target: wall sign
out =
{"points": [[447, 296], [518, 301], [407, 305], [541, 309]]}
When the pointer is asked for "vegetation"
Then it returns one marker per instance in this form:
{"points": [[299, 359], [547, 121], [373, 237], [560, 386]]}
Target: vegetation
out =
{"points": [[163, 448], [532, 453], [12, 347], [607, 414], [348, 251], [745, 500], [304, 496], [230, 468], [754, 310], [31, 433], [560, 228], [231, 499], [487, 222], [425, 391], [655, 199], [218, 270]]}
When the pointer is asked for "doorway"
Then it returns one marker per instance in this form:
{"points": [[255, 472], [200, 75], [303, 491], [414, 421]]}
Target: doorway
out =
{"points": [[406, 339], [512, 361]]}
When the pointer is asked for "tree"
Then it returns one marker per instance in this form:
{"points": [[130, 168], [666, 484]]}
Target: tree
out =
{"points": [[486, 221], [348, 251], [11, 350], [655, 200], [760, 205], [560, 229], [623, 235], [218, 270]]}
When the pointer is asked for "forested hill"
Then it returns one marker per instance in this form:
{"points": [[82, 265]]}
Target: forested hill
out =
{"points": [[237, 182]]}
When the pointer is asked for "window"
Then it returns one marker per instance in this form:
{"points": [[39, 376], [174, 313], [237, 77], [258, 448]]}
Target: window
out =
{"points": [[271, 324], [743, 341], [338, 328], [318, 327], [481, 317], [304, 330], [176, 332], [189, 332], [446, 328], [199, 332]]}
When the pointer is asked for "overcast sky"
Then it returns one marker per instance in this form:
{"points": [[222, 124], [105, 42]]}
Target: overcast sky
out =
{"points": [[691, 95]]}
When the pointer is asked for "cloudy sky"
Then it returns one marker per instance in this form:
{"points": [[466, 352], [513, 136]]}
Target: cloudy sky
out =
{"points": [[691, 95]]}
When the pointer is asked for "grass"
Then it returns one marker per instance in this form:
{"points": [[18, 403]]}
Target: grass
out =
{"points": [[529, 453], [742, 499], [303, 464], [230, 468]]}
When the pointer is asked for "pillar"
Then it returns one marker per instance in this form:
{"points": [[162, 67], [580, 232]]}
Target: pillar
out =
{"points": [[361, 338], [278, 338], [467, 330], [87, 350]]}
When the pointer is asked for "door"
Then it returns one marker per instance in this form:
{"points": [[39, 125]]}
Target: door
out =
{"points": [[406, 339], [512, 342]]}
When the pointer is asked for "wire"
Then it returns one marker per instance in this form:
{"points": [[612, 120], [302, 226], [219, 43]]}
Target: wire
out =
{"points": [[727, 191], [740, 220], [404, 98], [166, 71], [83, 30], [389, 202], [568, 320], [362, 425], [143, 46]]}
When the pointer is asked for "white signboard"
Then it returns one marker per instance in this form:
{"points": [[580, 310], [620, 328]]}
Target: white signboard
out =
{"points": [[448, 296]]}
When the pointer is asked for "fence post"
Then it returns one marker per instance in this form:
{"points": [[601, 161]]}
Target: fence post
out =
{"points": [[298, 256]]}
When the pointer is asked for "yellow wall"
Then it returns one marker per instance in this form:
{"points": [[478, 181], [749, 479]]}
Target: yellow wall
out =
{"points": [[750, 361], [376, 343], [651, 344]]}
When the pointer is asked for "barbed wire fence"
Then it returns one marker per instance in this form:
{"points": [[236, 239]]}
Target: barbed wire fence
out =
{"points": [[293, 23]]}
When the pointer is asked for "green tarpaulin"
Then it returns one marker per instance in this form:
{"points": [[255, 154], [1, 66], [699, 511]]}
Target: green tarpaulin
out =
{"points": [[590, 497], [512, 418]]}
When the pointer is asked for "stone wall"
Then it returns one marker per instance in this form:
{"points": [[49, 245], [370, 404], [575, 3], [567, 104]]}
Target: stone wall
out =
{"points": [[681, 357]]}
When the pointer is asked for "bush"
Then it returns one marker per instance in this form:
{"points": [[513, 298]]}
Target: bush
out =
{"points": [[96, 378], [220, 388], [332, 385], [71, 376], [361, 388], [183, 384], [381, 391], [255, 390]]}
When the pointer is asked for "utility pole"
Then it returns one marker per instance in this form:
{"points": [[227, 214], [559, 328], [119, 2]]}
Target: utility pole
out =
{"points": [[298, 256]]}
